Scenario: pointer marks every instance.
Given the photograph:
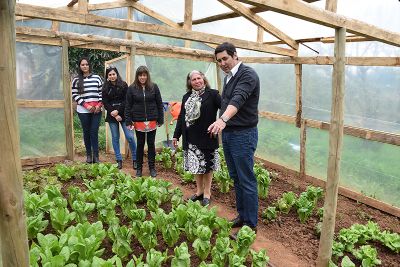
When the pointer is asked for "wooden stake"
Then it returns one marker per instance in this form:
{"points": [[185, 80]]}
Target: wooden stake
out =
{"points": [[13, 236], [68, 112], [299, 88], [303, 139], [335, 150]]}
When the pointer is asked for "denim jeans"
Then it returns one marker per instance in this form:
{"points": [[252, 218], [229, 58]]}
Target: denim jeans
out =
{"points": [[114, 128], [151, 148], [90, 125], [239, 148]]}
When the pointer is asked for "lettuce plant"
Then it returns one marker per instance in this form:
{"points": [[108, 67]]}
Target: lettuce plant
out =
{"points": [[245, 238], [60, 218], [220, 252], [202, 245], [181, 256], [259, 259]]}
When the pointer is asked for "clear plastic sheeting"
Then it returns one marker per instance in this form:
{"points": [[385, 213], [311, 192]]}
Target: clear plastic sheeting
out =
{"points": [[355, 49], [42, 132], [368, 167], [317, 92], [39, 72], [371, 96], [170, 75], [149, 38], [278, 142], [278, 85], [243, 28], [119, 13]]}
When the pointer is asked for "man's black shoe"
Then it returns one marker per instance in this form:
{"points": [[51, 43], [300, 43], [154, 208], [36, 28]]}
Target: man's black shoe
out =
{"points": [[237, 222]]}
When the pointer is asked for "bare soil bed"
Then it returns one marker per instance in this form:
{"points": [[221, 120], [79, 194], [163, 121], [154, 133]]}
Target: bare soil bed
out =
{"points": [[288, 242]]}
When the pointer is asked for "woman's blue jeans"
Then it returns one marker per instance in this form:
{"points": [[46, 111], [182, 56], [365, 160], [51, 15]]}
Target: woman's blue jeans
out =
{"points": [[90, 125], [114, 128], [239, 148]]}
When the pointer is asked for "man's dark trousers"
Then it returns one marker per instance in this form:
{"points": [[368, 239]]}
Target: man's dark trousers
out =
{"points": [[239, 148]]}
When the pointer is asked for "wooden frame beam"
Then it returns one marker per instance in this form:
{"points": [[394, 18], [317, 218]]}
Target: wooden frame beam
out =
{"points": [[395, 211], [108, 43], [126, 25], [259, 21], [325, 40], [367, 134], [25, 103], [67, 102], [298, 9], [325, 60]]}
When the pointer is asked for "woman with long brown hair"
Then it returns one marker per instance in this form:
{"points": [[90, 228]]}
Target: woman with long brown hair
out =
{"points": [[144, 113], [86, 91]]}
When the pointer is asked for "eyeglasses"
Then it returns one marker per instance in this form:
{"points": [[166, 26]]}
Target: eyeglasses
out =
{"points": [[110, 67]]}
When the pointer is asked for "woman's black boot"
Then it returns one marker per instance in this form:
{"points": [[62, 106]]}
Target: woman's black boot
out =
{"points": [[96, 157], [119, 162], [89, 158]]}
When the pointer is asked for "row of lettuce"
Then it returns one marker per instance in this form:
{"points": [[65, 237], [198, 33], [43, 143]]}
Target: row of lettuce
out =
{"points": [[69, 225], [356, 241]]}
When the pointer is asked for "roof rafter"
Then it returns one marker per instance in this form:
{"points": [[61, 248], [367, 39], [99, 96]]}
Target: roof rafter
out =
{"points": [[126, 25], [310, 13], [230, 15], [259, 21]]}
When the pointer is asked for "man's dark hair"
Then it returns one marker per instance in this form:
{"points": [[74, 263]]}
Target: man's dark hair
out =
{"points": [[228, 47]]}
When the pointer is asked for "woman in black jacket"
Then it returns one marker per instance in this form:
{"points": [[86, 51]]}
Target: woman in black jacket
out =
{"points": [[199, 109], [114, 95], [144, 112]]}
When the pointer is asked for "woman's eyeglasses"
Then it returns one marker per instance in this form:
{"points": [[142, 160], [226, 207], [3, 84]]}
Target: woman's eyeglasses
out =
{"points": [[110, 67]]}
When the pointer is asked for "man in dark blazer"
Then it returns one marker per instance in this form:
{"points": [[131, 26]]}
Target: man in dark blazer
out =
{"points": [[238, 120]]}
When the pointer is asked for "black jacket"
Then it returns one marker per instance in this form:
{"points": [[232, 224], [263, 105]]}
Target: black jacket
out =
{"points": [[144, 105], [197, 133], [243, 92], [114, 99]]}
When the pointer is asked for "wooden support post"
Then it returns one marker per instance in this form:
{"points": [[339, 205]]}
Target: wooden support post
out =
{"points": [[303, 139], [299, 93], [13, 236], [128, 34], [188, 18], [68, 113], [335, 149], [331, 5]]}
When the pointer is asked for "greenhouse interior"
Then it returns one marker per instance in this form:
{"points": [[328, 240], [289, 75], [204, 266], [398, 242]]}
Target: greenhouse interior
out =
{"points": [[329, 121]]}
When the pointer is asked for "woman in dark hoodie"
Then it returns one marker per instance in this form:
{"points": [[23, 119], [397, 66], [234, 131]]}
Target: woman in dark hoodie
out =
{"points": [[144, 113]]}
